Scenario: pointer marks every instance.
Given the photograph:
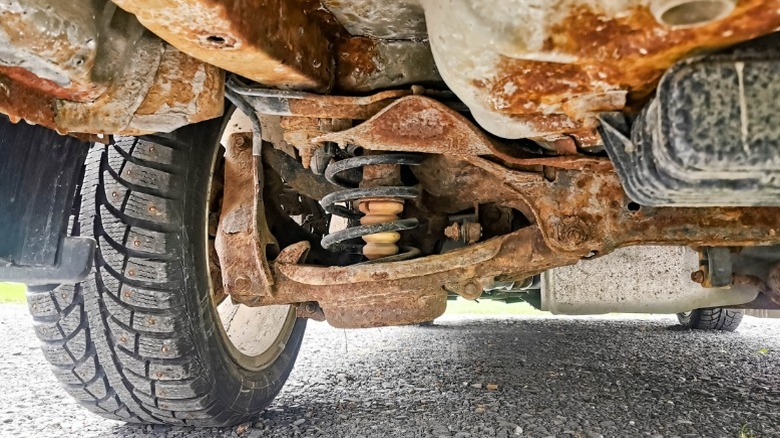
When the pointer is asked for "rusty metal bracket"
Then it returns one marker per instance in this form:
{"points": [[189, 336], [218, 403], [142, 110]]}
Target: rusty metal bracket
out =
{"points": [[415, 124], [578, 215], [302, 104], [243, 235], [421, 124]]}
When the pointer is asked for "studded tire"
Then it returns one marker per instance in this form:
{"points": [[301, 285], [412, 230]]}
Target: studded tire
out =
{"points": [[711, 319], [140, 340]]}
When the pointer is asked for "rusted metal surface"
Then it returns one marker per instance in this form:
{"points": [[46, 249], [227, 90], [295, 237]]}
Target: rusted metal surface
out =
{"points": [[18, 101], [310, 310], [526, 70], [242, 235], [421, 124], [302, 104], [87, 67], [415, 124], [184, 91], [586, 211], [530, 70], [394, 20], [409, 291], [113, 110], [366, 64], [275, 42], [299, 178], [299, 132], [160, 90], [578, 215], [59, 64], [468, 232]]}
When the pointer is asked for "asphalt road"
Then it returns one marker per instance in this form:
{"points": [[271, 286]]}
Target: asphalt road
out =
{"points": [[562, 377]]}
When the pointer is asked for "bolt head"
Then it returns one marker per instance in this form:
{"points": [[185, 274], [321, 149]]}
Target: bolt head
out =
{"points": [[472, 291], [698, 276], [242, 283]]}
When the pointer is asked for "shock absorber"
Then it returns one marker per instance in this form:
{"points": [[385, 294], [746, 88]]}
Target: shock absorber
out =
{"points": [[375, 201]]}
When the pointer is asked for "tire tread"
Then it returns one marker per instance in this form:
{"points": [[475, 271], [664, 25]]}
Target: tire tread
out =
{"points": [[130, 304], [712, 319]]}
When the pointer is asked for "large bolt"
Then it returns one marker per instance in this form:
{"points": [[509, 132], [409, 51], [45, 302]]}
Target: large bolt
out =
{"points": [[468, 233], [472, 291], [242, 283], [572, 232], [472, 232], [698, 276]]}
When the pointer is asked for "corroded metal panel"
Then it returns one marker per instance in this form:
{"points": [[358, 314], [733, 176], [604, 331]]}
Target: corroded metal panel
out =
{"points": [[365, 64], [397, 19], [51, 46], [184, 91], [87, 67], [275, 42], [529, 68]]}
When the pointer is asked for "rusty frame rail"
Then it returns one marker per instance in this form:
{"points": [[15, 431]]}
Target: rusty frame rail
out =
{"points": [[578, 215]]}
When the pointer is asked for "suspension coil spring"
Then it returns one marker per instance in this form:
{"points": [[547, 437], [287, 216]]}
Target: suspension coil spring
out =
{"points": [[377, 209]]}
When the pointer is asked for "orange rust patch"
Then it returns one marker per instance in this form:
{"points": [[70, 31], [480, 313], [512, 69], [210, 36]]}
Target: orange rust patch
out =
{"points": [[355, 61], [19, 100], [414, 124], [45, 86], [274, 42], [185, 86], [630, 53]]}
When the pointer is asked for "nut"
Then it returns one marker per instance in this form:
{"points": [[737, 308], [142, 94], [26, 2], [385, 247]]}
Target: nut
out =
{"points": [[453, 231], [472, 232], [468, 233], [698, 276]]}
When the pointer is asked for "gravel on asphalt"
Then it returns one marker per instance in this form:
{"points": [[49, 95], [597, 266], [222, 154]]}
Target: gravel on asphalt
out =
{"points": [[467, 377]]}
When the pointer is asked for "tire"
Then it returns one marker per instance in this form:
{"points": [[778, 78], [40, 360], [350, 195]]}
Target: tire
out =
{"points": [[711, 319], [141, 340]]}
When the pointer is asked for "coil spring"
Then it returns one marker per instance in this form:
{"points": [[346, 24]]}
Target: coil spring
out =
{"points": [[375, 223]]}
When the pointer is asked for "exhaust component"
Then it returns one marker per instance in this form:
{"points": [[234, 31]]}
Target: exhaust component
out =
{"points": [[635, 280]]}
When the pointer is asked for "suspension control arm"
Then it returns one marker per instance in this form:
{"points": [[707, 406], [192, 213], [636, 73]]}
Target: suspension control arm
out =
{"points": [[579, 214]]}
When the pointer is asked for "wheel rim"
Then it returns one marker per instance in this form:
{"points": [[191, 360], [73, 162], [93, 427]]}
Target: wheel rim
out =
{"points": [[255, 336]]}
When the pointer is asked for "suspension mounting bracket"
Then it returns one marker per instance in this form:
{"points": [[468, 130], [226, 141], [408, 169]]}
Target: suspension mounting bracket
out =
{"points": [[580, 214]]}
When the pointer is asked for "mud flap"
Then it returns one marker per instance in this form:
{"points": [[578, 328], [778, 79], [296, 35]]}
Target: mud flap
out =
{"points": [[40, 172]]}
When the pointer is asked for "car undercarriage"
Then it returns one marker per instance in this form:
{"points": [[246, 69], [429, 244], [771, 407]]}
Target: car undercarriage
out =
{"points": [[375, 158]]}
